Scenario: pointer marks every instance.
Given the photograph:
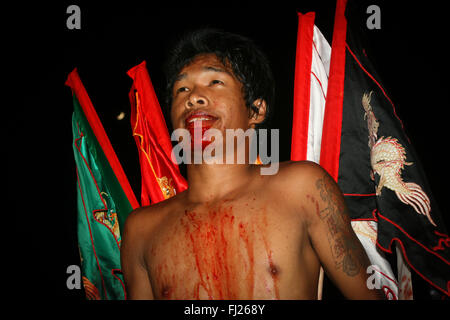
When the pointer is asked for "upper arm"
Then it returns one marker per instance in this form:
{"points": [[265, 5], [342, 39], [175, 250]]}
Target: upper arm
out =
{"points": [[131, 256], [333, 239]]}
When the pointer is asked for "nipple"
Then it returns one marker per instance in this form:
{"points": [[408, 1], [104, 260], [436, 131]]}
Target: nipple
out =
{"points": [[165, 292], [273, 270]]}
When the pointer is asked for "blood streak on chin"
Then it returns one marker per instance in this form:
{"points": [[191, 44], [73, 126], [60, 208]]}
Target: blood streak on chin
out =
{"points": [[203, 141]]}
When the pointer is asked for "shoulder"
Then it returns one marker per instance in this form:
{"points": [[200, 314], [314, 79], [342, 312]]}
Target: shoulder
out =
{"points": [[299, 182], [302, 166], [308, 178], [299, 174], [293, 176], [141, 221]]}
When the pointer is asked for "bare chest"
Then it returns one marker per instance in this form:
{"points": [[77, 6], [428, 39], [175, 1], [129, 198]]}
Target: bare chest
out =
{"points": [[233, 251]]}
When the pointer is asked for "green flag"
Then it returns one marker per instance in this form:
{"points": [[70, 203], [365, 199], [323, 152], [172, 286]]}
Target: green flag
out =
{"points": [[104, 199]]}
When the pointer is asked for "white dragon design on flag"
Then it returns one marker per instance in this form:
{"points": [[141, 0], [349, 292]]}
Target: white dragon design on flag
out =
{"points": [[388, 159]]}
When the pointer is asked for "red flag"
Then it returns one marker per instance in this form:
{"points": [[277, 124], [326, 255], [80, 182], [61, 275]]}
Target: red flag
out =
{"points": [[302, 86], [335, 95], [161, 178], [310, 87]]}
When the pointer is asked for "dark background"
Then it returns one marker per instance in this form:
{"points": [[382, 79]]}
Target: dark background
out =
{"points": [[409, 53]]}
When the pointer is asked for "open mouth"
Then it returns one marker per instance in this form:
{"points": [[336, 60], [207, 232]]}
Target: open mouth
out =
{"points": [[200, 119], [197, 123]]}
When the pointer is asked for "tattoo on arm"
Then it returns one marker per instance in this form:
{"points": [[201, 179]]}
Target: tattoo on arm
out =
{"points": [[347, 253]]}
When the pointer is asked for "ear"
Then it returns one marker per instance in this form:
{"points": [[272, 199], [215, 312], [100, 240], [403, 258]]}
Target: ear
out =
{"points": [[257, 112]]}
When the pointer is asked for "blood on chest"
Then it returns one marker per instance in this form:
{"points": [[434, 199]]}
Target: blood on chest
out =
{"points": [[214, 254]]}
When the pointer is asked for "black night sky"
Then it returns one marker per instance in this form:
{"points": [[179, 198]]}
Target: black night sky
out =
{"points": [[409, 53]]}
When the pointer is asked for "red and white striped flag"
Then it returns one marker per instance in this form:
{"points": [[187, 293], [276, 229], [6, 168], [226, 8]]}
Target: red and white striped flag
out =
{"points": [[312, 73]]}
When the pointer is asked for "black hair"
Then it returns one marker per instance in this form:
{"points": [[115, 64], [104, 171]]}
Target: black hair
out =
{"points": [[248, 63]]}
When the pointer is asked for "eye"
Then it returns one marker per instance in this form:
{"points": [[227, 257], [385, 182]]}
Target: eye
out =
{"points": [[215, 81], [181, 89]]}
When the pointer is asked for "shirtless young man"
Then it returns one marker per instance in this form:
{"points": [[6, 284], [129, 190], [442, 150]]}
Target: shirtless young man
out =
{"points": [[234, 233]]}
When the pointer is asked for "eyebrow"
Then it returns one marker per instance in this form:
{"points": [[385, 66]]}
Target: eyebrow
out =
{"points": [[182, 76]]}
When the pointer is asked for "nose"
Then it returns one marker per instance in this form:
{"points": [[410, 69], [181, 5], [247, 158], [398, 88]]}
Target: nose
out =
{"points": [[196, 99]]}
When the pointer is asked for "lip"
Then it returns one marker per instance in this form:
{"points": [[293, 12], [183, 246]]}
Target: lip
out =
{"points": [[207, 120], [199, 121]]}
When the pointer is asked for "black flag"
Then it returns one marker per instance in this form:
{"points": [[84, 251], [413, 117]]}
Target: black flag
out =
{"points": [[365, 148]]}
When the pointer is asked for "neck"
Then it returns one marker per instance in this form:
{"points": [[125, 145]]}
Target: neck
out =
{"points": [[211, 182]]}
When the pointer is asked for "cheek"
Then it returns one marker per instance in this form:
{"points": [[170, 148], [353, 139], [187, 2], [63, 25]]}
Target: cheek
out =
{"points": [[236, 109], [172, 117], [240, 113], [175, 113]]}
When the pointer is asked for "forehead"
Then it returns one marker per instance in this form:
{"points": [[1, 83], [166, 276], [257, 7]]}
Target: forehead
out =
{"points": [[204, 62]]}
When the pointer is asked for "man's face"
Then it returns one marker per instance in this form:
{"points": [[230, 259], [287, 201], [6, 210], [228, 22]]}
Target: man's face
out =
{"points": [[207, 91]]}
